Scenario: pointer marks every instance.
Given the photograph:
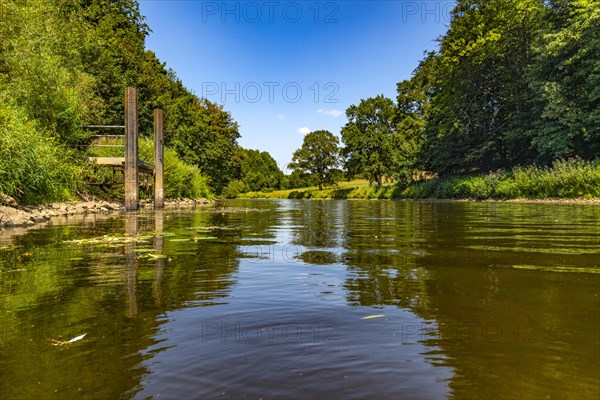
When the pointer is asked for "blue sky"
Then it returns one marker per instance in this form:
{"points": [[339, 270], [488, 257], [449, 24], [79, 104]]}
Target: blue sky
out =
{"points": [[286, 67]]}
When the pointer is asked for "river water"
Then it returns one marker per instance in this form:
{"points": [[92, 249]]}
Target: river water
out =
{"points": [[306, 299]]}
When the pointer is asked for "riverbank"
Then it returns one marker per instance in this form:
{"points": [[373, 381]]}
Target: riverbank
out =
{"points": [[345, 194], [566, 181], [13, 215]]}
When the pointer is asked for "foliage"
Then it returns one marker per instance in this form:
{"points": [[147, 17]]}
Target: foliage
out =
{"points": [[480, 110], [40, 67], [34, 167], [234, 189], [206, 136], [369, 139], [259, 171], [299, 179], [414, 104], [66, 63], [318, 157], [565, 75], [571, 179], [181, 180], [574, 178]]}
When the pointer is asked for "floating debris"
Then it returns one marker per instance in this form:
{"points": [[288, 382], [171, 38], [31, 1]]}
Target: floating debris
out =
{"points": [[63, 343], [143, 250], [153, 256], [235, 210], [373, 316], [107, 240]]}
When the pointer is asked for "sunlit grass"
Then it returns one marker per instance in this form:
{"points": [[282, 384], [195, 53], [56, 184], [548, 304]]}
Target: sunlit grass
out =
{"points": [[572, 179]]}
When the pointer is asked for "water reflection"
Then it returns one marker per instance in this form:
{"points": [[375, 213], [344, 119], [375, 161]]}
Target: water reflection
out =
{"points": [[131, 264], [255, 298], [507, 331], [159, 246], [113, 292]]}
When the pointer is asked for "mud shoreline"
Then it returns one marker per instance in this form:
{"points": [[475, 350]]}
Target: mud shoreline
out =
{"points": [[25, 216]]}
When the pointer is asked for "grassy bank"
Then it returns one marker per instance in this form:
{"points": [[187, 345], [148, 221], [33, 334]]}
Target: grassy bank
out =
{"points": [[565, 179]]}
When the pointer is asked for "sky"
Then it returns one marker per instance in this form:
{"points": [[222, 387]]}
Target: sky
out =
{"points": [[286, 68]]}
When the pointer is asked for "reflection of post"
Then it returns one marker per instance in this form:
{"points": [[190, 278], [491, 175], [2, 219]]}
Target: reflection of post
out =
{"points": [[159, 195], [131, 264], [159, 242]]}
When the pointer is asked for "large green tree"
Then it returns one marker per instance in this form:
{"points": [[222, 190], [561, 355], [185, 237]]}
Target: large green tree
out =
{"points": [[318, 156], [204, 135], [369, 139], [414, 105], [565, 75], [481, 112]]}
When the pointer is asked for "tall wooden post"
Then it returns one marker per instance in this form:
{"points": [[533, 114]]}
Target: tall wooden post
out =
{"points": [[131, 149], [159, 155]]}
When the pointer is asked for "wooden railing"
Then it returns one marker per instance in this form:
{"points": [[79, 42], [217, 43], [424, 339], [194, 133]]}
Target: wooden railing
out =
{"points": [[130, 164]]}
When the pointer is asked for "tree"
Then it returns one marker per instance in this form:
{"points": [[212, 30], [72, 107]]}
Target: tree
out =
{"points": [[318, 156], [259, 171], [565, 76], [414, 104], [369, 138], [204, 135], [482, 111]]}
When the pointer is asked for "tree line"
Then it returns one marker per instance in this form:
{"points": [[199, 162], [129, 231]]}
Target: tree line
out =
{"points": [[65, 64], [514, 83]]}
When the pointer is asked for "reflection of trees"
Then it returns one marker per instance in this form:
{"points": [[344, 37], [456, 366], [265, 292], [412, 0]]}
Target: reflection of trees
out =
{"points": [[506, 332], [317, 225], [513, 333], [114, 294], [381, 246]]}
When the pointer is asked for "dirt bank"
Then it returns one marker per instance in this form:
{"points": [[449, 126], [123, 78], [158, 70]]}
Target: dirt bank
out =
{"points": [[22, 216]]}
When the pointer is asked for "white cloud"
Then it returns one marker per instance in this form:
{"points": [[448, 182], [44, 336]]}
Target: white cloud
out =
{"points": [[333, 113], [280, 116], [304, 130]]}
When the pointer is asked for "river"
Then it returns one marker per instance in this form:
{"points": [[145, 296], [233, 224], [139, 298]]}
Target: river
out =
{"points": [[306, 299]]}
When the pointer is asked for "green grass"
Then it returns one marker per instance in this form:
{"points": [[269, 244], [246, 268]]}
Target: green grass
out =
{"points": [[356, 189], [569, 179], [34, 166]]}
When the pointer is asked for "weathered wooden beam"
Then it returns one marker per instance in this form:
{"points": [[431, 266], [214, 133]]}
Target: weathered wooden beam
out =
{"points": [[131, 149], [110, 161], [159, 155], [103, 126]]}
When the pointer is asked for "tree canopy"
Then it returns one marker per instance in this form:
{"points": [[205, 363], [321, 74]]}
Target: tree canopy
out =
{"points": [[369, 139], [318, 157]]}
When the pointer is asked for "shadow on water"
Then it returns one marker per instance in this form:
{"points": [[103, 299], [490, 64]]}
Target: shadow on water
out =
{"points": [[332, 299]]}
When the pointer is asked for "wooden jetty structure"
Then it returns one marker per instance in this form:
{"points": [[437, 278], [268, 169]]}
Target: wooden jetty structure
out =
{"points": [[130, 164]]}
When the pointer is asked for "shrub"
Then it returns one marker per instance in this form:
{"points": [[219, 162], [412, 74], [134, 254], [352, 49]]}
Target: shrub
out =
{"points": [[233, 189], [34, 167]]}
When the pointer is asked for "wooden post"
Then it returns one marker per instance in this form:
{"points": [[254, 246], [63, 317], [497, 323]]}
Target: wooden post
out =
{"points": [[159, 155], [131, 149]]}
